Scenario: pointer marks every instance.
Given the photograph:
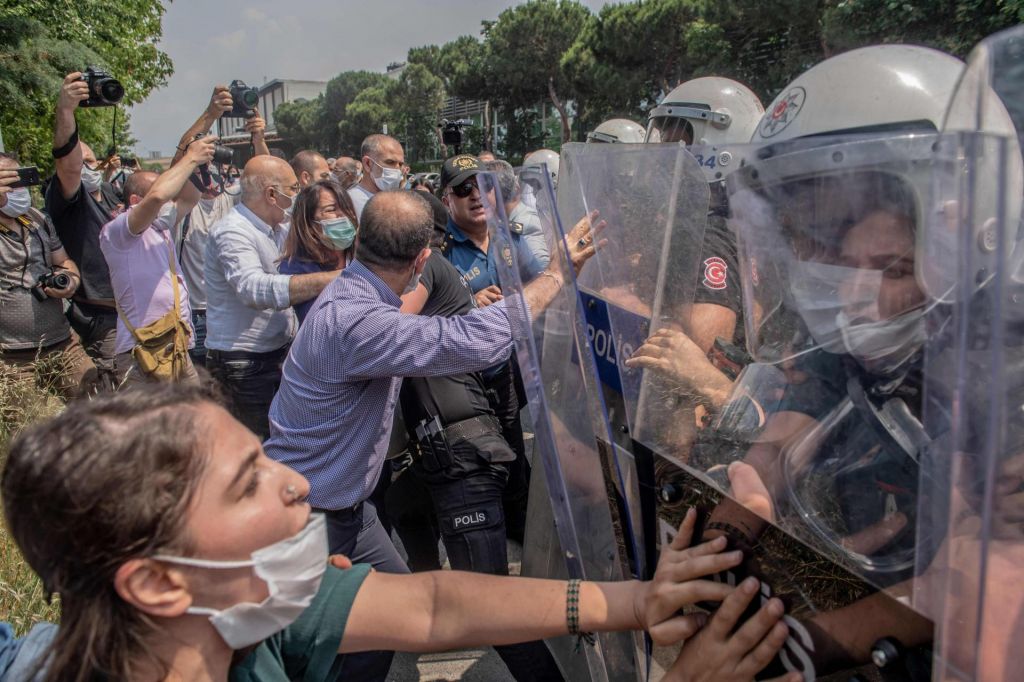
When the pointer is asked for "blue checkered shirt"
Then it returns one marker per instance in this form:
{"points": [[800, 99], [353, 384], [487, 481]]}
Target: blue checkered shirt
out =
{"points": [[331, 418]]}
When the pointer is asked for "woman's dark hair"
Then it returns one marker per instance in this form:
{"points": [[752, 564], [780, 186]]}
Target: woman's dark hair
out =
{"points": [[306, 240], [108, 480]]}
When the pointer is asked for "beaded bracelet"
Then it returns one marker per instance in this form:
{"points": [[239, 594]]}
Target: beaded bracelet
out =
{"points": [[572, 614]]}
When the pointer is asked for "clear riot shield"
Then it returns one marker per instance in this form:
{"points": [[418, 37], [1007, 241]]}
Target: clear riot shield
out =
{"points": [[818, 455], [572, 533], [655, 200], [971, 587]]}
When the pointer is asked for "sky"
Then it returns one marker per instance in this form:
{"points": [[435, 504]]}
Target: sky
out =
{"points": [[216, 41]]}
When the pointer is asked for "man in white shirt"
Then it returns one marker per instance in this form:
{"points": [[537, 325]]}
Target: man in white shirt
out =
{"points": [[382, 158], [250, 320]]}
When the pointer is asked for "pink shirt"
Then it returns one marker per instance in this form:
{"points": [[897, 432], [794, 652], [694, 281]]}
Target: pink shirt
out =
{"points": [[140, 274]]}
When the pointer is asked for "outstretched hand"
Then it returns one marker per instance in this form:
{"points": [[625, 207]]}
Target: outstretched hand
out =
{"points": [[721, 652], [583, 240], [679, 581]]}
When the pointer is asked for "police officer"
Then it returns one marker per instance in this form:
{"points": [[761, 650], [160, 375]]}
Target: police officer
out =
{"points": [[714, 116], [617, 131], [848, 292], [468, 247], [462, 458]]}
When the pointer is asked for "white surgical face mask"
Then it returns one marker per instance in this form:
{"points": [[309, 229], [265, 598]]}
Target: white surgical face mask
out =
{"points": [[292, 569], [91, 179], [815, 290], [18, 202], [885, 345], [291, 204], [414, 282], [390, 178]]}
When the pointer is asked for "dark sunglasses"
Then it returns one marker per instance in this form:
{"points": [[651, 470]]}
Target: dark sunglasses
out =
{"points": [[465, 189]]}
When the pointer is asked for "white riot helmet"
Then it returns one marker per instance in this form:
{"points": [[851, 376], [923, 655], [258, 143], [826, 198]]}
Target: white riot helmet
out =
{"points": [[540, 157], [617, 130], [709, 111]]}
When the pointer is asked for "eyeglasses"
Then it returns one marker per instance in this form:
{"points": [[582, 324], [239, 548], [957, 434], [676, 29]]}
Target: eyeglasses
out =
{"points": [[465, 189]]}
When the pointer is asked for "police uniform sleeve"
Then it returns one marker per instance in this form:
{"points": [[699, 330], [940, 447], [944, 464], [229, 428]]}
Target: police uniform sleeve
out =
{"points": [[717, 274], [307, 649]]}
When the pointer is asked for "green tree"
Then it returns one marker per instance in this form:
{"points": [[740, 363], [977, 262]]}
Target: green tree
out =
{"points": [[416, 102], [298, 123], [954, 27], [524, 50], [341, 91], [368, 113], [43, 40]]}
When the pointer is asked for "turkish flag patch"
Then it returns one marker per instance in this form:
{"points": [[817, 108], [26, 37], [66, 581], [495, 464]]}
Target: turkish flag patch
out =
{"points": [[716, 273]]}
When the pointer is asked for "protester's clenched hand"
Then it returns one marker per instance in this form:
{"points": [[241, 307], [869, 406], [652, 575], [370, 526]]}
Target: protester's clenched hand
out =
{"points": [[72, 91], [255, 125], [200, 152], [677, 583], [220, 102], [485, 297], [722, 653]]}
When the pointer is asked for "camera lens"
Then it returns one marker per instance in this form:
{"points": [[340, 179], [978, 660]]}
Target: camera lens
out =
{"points": [[110, 90], [250, 98], [222, 155], [60, 281]]}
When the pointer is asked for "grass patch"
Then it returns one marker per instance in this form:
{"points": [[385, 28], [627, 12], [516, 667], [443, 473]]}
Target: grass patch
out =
{"points": [[25, 400]]}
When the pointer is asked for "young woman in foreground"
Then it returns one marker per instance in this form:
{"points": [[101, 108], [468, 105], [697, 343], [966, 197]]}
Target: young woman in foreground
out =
{"points": [[181, 552]]}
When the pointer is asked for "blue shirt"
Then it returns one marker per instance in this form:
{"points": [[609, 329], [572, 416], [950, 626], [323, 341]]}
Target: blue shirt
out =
{"points": [[480, 270], [331, 419], [298, 266]]}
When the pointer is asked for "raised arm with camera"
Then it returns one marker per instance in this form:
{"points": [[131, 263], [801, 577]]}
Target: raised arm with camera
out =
{"points": [[256, 127], [220, 103], [169, 185], [65, 134]]}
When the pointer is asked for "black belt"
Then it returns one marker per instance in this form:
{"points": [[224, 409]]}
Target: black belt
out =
{"points": [[346, 513], [214, 354], [467, 429]]}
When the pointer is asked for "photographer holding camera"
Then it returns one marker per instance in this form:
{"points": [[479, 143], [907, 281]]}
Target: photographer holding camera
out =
{"points": [[35, 273], [80, 204], [215, 202], [155, 327]]}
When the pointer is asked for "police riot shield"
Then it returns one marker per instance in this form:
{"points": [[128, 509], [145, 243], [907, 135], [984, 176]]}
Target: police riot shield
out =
{"points": [[655, 200], [971, 587], [825, 452], [571, 533]]}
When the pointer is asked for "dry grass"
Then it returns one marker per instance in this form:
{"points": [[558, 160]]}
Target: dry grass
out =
{"points": [[23, 402]]}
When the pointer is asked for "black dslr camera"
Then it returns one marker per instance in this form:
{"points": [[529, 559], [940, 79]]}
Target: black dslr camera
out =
{"points": [[104, 89], [243, 99], [50, 280]]}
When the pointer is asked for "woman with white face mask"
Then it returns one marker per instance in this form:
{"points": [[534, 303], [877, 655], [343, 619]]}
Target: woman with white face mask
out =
{"points": [[181, 551], [322, 237]]}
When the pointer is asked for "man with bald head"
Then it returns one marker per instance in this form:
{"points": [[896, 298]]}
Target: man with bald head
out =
{"points": [[143, 262], [249, 316], [331, 419], [80, 204], [382, 162], [347, 171], [310, 167]]}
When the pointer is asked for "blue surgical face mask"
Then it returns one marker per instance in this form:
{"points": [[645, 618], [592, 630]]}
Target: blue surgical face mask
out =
{"points": [[340, 231]]}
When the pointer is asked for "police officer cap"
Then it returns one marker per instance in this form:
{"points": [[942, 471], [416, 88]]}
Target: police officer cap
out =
{"points": [[458, 169]]}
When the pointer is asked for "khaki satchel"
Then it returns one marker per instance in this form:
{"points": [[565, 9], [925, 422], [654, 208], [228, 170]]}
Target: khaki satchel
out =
{"points": [[161, 347]]}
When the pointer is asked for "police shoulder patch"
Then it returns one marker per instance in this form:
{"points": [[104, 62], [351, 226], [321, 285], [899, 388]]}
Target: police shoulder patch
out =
{"points": [[716, 273], [515, 228]]}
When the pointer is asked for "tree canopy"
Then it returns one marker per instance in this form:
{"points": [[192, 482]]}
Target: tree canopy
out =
{"points": [[41, 41]]}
